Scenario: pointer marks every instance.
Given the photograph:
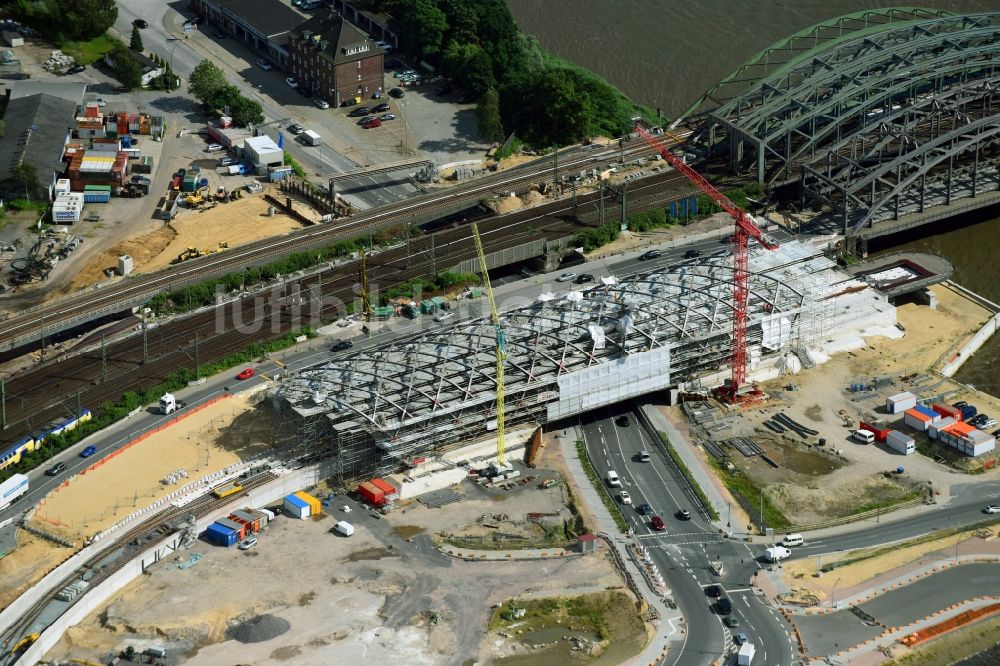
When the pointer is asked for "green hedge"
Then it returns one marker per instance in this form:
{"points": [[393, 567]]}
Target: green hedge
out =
{"points": [[598, 483], [112, 412], [712, 513]]}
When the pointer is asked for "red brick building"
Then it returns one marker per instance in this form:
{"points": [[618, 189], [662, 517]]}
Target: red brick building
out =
{"points": [[335, 60]]}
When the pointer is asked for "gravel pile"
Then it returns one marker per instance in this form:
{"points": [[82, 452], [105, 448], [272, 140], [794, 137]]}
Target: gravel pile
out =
{"points": [[258, 629]]}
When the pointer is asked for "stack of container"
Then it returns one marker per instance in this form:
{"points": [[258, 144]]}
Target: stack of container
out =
{"points": [[371, 493], [240, 528], [97, 194], [221, 535], [389, 491], [947, 411]]}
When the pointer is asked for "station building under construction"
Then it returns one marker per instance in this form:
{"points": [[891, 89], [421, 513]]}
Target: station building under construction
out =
{"points": [[377, 408]]}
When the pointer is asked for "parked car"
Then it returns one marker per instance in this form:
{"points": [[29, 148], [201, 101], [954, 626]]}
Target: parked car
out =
{"points": [[385, 117], [713, 591], [214, 147], [76, 69], [583, 278], [56, 469], [100, 102], [379, 108], [625, 497], [366, 120], [657, 523], [350, 101], [292, 83], [565, 277], [295, 128], [683, 514], [645, 510], [444, 315], [373, 123], [264, 65], [988, 423], [248, 543], [321, 103], [247, 373], [650, 254], [89, 451], [341, 345], [141, 24], [225, 161], [358, 112], [691, 254], [398, 93], [960, 404]]}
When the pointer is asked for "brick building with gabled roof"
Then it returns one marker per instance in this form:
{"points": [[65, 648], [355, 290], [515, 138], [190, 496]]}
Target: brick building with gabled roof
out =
{"points": [[335, 60]]}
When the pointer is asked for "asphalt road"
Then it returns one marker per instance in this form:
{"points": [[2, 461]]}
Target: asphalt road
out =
{"points": [[683, 551]]}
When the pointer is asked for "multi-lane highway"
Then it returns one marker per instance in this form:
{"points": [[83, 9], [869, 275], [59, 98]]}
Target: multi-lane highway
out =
{"points": [[683, 551]]}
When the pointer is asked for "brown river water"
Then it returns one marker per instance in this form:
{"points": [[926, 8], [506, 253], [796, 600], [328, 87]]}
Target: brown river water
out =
{"points": [[667, 53]]}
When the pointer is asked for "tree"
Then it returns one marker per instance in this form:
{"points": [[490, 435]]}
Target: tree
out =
{"points": [[547, 108], [25, 174], [83, 19], [246, 112], [471, 65], [136, 42], [488, 116], [206, 82], [425, 25], [127, 69]]}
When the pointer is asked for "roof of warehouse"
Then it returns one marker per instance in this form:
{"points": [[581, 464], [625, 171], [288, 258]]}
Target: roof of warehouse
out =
{"points": [[261, 143], [269, 17], [35, 132]]}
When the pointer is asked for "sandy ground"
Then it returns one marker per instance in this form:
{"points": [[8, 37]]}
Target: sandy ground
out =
{"points": [[234, 223], [27, 564], [504, 205], [132, 480], [373, 596], [814, 492]]}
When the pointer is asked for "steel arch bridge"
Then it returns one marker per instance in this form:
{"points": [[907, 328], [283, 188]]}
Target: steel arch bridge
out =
{"points": [[894, 117]]}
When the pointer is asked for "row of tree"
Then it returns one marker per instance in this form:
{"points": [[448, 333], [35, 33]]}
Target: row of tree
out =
{"points": [[545, 100], [66, 20], [209, 86]]}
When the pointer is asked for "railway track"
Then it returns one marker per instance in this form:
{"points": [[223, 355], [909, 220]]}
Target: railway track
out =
{"points": [[110, 560], [54, 389], [76, 307]]}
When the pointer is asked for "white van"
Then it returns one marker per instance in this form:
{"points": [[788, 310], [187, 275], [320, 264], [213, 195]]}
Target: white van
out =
{"points": [[864, 436], [792, 540], [613, 479], [344, 528], [776, 554]]}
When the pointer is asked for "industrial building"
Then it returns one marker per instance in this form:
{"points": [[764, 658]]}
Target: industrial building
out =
{"points": [[378, 408], [335, 60], [37, 128], [262, 152]]}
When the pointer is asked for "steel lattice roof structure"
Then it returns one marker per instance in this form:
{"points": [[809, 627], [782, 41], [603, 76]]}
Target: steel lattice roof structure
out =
{"points": [[572, 353], [880, 122]]}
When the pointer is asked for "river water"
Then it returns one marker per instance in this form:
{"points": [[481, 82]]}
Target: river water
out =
{"points": [[667, 53]]}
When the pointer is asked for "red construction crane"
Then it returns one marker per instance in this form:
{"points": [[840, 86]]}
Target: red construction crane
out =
{"points": [[745, 230]]}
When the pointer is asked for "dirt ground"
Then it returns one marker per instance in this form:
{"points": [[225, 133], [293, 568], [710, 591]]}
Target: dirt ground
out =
{"points": [[394, 593], [235, 223], [27, 564], [200, 443], [811, 486], [504, 205]]}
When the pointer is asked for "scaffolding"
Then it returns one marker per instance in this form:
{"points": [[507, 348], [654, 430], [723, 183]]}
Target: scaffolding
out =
{"points": [[377, 408]]}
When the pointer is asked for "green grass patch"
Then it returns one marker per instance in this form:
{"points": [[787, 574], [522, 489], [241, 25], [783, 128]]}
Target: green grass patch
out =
{"points": [[598, 483], [87, 53], [112, 412], [742, 485], [296, 167], [889, 502], [668, 447], [591, 613]]}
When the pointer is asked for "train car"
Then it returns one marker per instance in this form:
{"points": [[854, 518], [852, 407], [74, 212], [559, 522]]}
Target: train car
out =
{"points": [[228, 489], [13, 454], [60, 426], [12, 489]]}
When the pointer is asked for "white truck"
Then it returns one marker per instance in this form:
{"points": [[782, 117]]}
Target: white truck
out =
{"points": [[169, 403], [311, 138], [745, 655], [776, 553]]}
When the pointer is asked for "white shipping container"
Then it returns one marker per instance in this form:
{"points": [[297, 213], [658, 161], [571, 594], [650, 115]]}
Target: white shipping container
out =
{"points": [[896, 404], [935, 429], [901, 442], [914, 422], [296, 507]]}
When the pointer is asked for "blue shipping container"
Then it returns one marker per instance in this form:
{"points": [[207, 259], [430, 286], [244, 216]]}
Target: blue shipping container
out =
{"points": [[221, 535], [96, 197], [927, 411], [968, 412]]}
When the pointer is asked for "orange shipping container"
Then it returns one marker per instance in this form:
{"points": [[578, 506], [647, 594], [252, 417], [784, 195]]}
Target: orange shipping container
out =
{"points": [[315, 506], [387, 488]]}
